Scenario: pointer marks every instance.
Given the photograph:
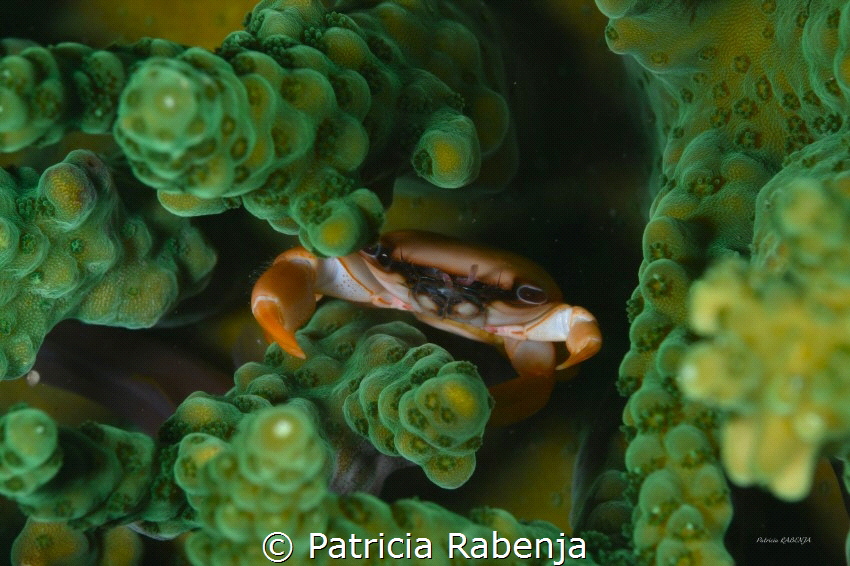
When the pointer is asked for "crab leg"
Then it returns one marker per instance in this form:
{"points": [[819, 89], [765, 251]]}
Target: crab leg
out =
{"points": [[575, 325], [284, 297], [520, 397]]}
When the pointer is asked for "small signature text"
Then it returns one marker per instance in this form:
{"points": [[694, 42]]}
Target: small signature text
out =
{"points": [[784, 540]]}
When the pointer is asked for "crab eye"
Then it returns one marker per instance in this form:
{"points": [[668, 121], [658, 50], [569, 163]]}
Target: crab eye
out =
{"points": [[531, 294], [380, 254]]}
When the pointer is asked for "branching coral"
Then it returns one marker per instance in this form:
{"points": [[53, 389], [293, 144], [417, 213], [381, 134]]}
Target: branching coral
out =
{"points": [[291, 119], [733, 87], [785, 378], [236, 468], [70, 249], [228, 482], [383, 382], [58, 544], [89, 477], [266, 473], [286, 117], [361, 377], [331, 104]]}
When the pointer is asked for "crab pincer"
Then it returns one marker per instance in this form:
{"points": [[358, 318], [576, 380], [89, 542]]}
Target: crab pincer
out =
{"points": [[283, 298]]}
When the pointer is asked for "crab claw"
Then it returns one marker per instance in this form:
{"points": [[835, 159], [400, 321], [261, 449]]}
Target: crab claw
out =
{"points": [[284, 299], [583, 337], [575, 325]]}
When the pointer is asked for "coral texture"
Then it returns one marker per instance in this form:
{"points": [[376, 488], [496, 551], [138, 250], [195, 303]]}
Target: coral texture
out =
{"points": [[69, 248], [288, 118], [228, 482], [372, 380], [305, 119], [58, 544], [745, 85], [784, 380], [86, 477], [383, 382]]}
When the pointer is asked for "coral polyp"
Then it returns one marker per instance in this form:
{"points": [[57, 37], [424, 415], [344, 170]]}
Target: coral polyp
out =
{"points": [[71, 249]]}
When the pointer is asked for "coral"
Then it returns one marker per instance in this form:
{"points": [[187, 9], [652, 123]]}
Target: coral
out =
{"points": [[86, 477], [49, 91], [57, 544], [377, 380], [69, 248], [274, 470], [737, 324], [784, 380], [383, 382], [228, 481], [285, 116], [29, 451], [234, 468], [748, 84]]}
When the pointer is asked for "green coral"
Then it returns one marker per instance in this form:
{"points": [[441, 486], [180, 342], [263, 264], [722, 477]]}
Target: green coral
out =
{"points": [[733, 90], [274, 470], [29, 451], [87, 477], [285, 116], [200, 128], [72, 482], [100, 474], [278, 463], [746, 86], [234, 468], [70, 249], [47, 91], [384, 383]]}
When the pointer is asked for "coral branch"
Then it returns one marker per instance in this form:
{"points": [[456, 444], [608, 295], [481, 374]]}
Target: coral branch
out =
{"points": [[70, 249]]}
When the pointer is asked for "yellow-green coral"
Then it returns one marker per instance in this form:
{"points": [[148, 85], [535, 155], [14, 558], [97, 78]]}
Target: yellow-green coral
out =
{"points": [[58, 544], [732, 87], [777, 353], [70, 249], [48, 91], [28, 451], [425, 408], [275, 471], [237, 467], [725, 122], [87, 477], [31, 104], [324, 93]]}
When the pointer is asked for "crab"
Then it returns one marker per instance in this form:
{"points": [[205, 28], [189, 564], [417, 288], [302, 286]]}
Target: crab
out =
{"points": [[479, 292]]}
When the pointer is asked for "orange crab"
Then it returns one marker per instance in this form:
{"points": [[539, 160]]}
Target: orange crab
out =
{"points": [[475, 291]]}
